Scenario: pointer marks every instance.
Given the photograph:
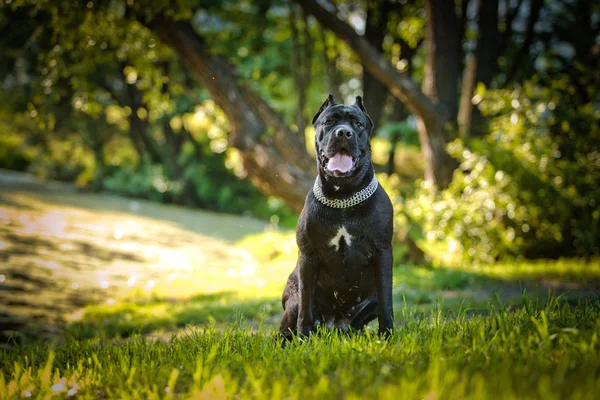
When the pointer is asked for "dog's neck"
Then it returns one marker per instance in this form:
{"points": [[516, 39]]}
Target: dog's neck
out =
{"points": [[334, 188]]}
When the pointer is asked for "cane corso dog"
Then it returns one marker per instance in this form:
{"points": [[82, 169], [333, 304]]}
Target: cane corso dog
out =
{"points": [[343, 278]]}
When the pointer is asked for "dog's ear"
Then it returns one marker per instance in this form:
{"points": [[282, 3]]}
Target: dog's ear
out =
{"points": [[358, 103], [328, 103]]}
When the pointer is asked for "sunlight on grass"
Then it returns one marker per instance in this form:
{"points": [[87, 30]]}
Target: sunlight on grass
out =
{"points": [[252, 291], [548, 353], [564, 269], [105, 266], [145, 303], [62, 250]]}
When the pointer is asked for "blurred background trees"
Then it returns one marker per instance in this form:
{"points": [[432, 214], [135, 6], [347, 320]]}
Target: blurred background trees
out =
{"points": [[487, 112]]}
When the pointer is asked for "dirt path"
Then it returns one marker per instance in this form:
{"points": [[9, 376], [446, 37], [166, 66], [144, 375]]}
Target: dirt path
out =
{"points": [[61, 249]]}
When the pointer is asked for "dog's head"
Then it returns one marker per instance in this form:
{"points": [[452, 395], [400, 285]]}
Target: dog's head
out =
{"points": [[342, 141]]}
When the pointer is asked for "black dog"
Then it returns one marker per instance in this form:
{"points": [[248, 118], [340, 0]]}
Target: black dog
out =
{"points": [[343, 278]]}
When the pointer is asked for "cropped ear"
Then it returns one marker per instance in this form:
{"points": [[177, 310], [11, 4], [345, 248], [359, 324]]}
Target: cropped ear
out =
{"points": [[328, 103], [358, 103]]}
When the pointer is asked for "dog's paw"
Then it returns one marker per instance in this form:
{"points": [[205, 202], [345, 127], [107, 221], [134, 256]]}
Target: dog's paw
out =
{"points": [[386, 333], [305, 334], [305, 331], [287, 335]]}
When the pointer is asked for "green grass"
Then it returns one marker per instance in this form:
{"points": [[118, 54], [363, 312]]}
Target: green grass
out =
{"points": [[550, 353], [114, 298]]}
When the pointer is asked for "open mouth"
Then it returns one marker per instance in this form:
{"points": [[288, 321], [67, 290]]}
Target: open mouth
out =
{"points": [[339, 164]]}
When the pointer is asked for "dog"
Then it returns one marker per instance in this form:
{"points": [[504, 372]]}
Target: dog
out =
{"points": [[343, 277]]}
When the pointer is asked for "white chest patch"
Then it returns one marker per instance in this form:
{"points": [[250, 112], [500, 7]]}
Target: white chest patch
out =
{"points": [[342, 233]]}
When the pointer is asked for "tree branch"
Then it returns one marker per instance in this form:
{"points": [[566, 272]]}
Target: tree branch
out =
{"points": [[398, 83], [433, 115], [276, 161]]}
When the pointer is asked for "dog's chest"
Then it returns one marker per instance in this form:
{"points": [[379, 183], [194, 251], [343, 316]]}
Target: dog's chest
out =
{"points": [[337, 238], [345, 242], [341, 238], [344, 264]]}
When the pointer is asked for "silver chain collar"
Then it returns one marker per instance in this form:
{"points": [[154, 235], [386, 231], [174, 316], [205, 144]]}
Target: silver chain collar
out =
{"points": [[355, 199]]}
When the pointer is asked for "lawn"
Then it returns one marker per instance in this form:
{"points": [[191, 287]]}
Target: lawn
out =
{"points": [[105, 297], [549, 353]]}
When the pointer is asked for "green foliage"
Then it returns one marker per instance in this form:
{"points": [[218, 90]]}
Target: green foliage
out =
{"points": [[530, 187], [67, 160], [146, 181], [401, 132], [98, 89], [98, 71], [11, 150], [213, 187]]}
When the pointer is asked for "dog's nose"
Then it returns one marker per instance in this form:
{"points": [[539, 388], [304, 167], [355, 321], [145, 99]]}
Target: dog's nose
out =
{"points": [[343, 132]]}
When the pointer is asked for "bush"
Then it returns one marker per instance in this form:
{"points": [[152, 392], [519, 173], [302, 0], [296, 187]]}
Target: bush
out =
{"points": [[146, 181], [65, 160], [11, 155], [530, 187], [207, 183]]}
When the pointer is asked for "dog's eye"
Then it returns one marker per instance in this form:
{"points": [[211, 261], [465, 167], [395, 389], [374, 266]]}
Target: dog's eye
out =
{"points": [[328, 122], [359, 125]]}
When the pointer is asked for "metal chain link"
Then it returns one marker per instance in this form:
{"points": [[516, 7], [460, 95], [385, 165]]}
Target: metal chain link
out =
{"points": [[355, 199]]}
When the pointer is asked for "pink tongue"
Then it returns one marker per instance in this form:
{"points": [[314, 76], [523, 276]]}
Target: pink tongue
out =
{"points": [[340, 162]]}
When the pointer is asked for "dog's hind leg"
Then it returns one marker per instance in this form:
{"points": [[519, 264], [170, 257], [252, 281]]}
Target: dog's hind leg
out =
{"points": [[365, 312], [287, 328], [289, 301]]}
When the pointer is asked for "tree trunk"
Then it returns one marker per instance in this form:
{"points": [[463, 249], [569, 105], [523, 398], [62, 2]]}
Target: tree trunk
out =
{"points": [[374, 92], [440, 83], [400, 113], [123, 101], [301, 62], [480, 69], [432, 114], [334, 79], [138, 128], [442, 52], [275, 159], [174, 141], [198, 153], [534, 14], [509, 16], [462, 27], [96, 134], [137, 143]]}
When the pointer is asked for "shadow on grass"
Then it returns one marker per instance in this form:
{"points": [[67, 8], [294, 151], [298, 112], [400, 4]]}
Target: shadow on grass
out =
{"points": [[418, 289], [61, 250], [166, 316], [472, 292], [43, 277]]}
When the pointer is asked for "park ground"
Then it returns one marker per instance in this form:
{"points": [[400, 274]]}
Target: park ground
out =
{"points": [[108, 297]]}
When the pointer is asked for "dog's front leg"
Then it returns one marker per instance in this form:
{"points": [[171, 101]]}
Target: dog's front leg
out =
{"points": [[383, 276], [308, 273]]}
